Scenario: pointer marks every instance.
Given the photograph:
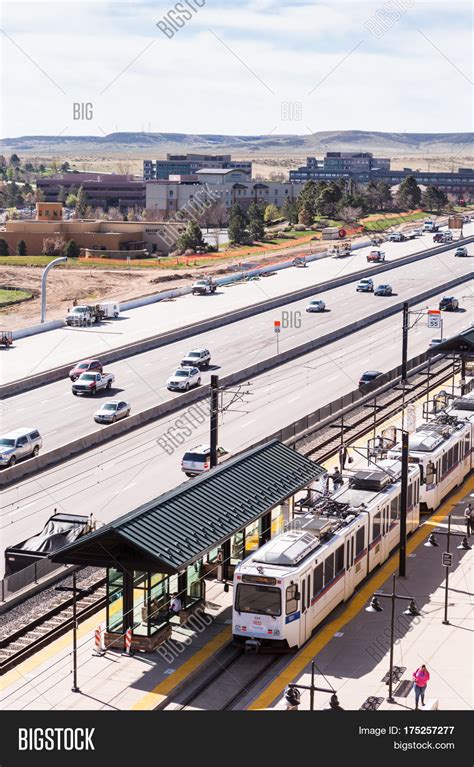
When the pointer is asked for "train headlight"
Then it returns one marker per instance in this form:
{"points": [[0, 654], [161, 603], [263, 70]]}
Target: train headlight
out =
{"points": [[276, 633], [237, 628]]}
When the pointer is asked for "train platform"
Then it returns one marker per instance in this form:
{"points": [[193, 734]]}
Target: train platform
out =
{"points": [[351, 649]]}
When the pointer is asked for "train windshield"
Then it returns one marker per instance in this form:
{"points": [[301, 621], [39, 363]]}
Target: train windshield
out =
{"points": [[265, 600]]}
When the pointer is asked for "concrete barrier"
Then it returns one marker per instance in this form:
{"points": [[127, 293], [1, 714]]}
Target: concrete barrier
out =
{"points": [[162, 339], [33, 330], [107, 433]]}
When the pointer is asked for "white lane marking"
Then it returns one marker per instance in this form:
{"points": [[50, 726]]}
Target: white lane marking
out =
{"points": [[127, 487], [48, 433], [247, 423], [69, 407], [333, 378], [298, 396]]}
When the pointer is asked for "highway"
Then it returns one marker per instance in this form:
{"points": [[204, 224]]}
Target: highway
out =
{"points": [[134, 468], [61, 417], [45, 351]]}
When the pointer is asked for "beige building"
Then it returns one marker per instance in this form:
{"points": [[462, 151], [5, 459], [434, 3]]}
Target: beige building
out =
{"points": [[115, 238], [228, 185]]}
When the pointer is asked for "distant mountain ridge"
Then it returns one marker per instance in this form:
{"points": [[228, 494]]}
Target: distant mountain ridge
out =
{"points": [[287, 144]]}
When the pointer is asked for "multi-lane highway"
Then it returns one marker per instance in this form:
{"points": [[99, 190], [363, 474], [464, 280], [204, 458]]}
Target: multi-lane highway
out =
{"points": [[134, 468], [38, 353], [62, 418]]}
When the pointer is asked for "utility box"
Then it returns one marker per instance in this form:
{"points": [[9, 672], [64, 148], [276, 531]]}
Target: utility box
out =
{"points": [[455, 222]]}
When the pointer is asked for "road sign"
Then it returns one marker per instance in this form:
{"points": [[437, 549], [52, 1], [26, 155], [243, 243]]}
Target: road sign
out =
{"points": [[277, 326], [434, 318], [447, 559]]}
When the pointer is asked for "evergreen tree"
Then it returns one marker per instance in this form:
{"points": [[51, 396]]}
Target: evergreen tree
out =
{"points": [[192, 237], [21, 248], [307, 199], [81, 203], [290, 211], [15, 161], [305, 216], [62, 194], [72, 249], [271, 213], [409, 194], [256, 222], [237, 225]]}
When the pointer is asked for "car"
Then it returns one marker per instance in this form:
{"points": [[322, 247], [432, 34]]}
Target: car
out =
{"points": [[183, 378], [375, 256], [369, 376], [434, 342], [198, 459], [438, 237], [316, 305], [91, 383], [417, 232], [461, 252], [203, 287], [83, 367], [20, 443], [443, 237], [112, 410], [200, 358], [396, 237], [383, 290], [449, 304], [366, 285]]}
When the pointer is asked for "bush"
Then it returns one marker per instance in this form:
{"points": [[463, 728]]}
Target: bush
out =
{"points": [[299, 227], [315, 227]]}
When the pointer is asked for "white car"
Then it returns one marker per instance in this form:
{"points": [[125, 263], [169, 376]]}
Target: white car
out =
{"points": [[366, 285], [316, 306], [200, 358], [198, 459], [112, 410], [183, 378]]}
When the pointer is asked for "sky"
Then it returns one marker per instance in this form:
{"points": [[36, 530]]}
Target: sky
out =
{"points": [[252, 67]]}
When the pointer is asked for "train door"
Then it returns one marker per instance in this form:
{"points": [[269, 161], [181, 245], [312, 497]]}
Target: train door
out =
{"points": [[305, 617], [350, 569], [385, 531]]}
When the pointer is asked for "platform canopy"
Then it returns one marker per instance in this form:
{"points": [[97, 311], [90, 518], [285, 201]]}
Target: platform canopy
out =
{"points": [[462, 343], [179, 527]]}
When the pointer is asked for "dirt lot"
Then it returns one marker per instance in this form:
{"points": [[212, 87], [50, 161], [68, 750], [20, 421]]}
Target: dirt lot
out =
{"points": [[97, 284]]}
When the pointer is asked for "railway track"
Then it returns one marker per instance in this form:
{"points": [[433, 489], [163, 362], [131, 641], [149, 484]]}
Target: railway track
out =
{"points": [[219, 687], [322, 443], [36, 633]]}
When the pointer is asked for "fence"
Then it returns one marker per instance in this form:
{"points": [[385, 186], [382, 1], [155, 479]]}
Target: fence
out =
{"points": [[25, 577]]}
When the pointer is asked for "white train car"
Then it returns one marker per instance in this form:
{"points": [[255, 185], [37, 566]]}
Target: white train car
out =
{"points": [[289, 585], [442, 448]]}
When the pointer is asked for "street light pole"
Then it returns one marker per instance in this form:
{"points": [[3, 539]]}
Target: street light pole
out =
{"points": [[334, 703], [43, 284], [404, 342], [464, 546], [446, 585], [214, 419], [74, 688], [402, 565]]}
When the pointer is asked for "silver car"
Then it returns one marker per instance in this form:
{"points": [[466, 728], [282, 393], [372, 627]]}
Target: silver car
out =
{"points": [[316, 305], [21, 443], [183, 378], [112, 410]]}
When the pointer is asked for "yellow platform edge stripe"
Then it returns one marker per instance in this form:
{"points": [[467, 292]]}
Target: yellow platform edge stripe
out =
{"points": [[354, 606]]}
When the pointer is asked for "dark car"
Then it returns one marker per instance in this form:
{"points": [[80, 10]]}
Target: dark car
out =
{"points": [[449, 304], [369, 376], [383, 290], [85, 366]]}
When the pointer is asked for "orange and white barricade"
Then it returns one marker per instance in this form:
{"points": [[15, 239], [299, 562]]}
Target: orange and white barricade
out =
{"points": [[128, 642], [99, 648]]}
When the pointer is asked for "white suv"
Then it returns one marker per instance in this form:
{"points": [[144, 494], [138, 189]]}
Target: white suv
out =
{"points": [[183, 378], [200, 358], [198, 459], [21, 443]]}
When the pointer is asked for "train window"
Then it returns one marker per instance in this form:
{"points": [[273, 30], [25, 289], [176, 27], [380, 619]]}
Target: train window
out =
{"points": [[394, 508], [264, 600], [352, 551], [329, 569], [445, 464], [410, 497], [376, 526], [456, 453], [430, 473], [360, 539], [339, 559], [317, 579], [291, 600], [303, 596]]}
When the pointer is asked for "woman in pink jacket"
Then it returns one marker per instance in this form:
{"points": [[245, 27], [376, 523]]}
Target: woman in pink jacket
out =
{"points": [[421, 678]]}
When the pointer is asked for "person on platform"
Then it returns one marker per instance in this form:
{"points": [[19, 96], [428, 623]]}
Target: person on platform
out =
{"points": [[175, 604], [469, 517], [337, 479], [421, 678]]}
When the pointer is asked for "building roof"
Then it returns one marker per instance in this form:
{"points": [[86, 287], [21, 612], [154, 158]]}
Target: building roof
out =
{"points": [[461, 343], [179, 527], [221, 171]]}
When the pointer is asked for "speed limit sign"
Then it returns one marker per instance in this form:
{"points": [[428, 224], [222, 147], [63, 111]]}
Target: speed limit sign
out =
{"points": [[434, 318]]}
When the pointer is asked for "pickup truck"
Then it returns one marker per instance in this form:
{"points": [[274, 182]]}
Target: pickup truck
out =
{"points": [[203, 287], [396, 237], [85, 315], [375, 256], [90, 383]]}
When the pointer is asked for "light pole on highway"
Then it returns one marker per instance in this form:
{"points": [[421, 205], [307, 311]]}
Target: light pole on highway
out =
{"points": [[43, 284]]}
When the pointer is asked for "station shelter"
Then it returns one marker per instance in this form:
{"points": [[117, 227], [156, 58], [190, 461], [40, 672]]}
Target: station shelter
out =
{"points": [[202, 528]]}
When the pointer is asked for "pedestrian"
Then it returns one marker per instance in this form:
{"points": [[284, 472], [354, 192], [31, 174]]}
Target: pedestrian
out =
{"points": [[337, 479], [469, 517], [421, 678], [175, 604]]}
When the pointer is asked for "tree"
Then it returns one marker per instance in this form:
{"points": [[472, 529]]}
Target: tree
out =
{"points": [[72, 249], [237, 225], [14, 195], [53, 246], [71, 201], [256, 222], [409, 194], [271, 213], [328, 197], [61, 195], [305, 216], [307, 199], [348, 214], [290, 211], [434, 198], [14, 161], [4, 250], [81, 203], [114, 214], [21, 248], [192, 238], [65, 167]]}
